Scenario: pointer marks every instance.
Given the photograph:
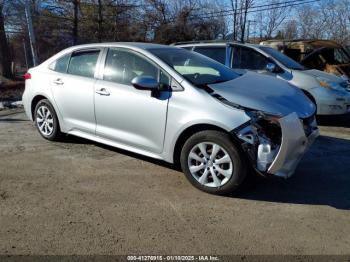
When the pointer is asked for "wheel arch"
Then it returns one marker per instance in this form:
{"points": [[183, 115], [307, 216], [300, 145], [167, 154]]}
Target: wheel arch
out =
{"points": [[191, 130], [310, 96], [34, 102]]}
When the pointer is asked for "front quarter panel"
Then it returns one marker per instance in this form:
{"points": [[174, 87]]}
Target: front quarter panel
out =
{"points": [[193, 107], [304, 80], [326, 98]]}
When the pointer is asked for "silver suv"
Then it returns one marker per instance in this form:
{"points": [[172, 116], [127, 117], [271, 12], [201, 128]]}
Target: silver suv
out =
{"points": [[171, 104]]}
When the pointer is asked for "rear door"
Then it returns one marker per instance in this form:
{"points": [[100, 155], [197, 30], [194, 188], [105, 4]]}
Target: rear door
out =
{"points": [[73, 89], [124, 114]]}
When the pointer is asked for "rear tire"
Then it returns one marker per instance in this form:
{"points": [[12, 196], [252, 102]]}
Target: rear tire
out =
{"points": [[46, 121], [213, 163]]}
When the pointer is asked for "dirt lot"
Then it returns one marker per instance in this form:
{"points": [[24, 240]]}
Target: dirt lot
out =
{"points": [[78, 197]]}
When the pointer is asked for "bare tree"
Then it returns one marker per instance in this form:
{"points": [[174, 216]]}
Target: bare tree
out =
{"points": [[275, 17], [311, 23], [270, 19], [336, 20], [4, 47], [76, 4], [99, 21], [234, 5], [240, 9], [245, 5], [291, 29]]}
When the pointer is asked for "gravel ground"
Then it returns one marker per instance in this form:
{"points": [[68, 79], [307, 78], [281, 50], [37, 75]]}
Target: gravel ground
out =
{"points": [[78, 197]]}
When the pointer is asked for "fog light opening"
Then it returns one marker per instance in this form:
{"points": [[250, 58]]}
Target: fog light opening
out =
{"points": [[266, 155]]}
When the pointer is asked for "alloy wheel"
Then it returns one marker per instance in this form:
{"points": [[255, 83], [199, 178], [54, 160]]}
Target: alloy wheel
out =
{"points": [[45, 120], [210, 164]]}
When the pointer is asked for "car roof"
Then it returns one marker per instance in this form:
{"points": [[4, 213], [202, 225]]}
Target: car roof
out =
{"points": [[131, 45], [140, 45], [213, 43]]}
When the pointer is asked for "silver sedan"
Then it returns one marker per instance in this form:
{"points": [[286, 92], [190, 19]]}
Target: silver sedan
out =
{"points": [[175, 105]]}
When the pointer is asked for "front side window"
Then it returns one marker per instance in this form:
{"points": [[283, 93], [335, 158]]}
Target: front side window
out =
{"points": [[216, 53], [247, 58], [83, 63], [61, 64], [122, 66], [197, 69]]}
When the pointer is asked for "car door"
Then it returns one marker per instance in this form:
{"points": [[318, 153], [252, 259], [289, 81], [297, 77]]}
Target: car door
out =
{"points": [[73, 89], [127, 115]]}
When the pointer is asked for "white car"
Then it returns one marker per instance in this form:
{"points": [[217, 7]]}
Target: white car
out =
{"points": [[330, 93]]}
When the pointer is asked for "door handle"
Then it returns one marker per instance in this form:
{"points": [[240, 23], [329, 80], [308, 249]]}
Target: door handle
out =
{"points": [[58, 82], [102, 92]]}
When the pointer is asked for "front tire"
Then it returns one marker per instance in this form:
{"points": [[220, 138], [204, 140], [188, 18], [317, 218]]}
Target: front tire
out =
{"points": [[213, 163], [46, 121]]}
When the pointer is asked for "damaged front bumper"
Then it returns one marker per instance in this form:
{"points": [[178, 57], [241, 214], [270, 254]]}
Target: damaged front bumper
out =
{"points": [[279, 158], [294, 144]]}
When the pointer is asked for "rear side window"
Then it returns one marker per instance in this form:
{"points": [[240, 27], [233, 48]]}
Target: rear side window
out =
{"points": [[216, 53], [83, 63], [61, 64]]}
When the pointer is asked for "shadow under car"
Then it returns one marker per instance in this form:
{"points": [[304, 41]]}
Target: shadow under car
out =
{"points": [[322, 178]]}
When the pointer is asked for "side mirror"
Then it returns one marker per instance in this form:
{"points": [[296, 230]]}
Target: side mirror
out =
{"points": [[271, 67], [145, 83]]}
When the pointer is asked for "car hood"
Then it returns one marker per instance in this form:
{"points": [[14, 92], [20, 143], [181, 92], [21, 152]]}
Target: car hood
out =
{"points": [[318, 73], [265, 93]]}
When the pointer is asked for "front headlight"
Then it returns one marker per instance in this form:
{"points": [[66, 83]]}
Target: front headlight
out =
{"points": [[255, 115], [329, 84], [267, 127]]}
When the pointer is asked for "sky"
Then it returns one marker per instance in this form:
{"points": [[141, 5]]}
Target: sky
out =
{"points": [[226, 4]]}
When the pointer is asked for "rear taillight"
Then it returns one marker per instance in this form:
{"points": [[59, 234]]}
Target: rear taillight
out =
{"points": [[27, 76]]}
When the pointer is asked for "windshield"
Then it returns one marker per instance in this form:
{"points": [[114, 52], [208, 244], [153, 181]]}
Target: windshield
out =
{"points": [[196, 68], [282, 58]]}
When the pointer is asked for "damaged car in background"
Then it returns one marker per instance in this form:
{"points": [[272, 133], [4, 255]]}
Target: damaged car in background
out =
{"points": [[172, 104], [324, 55]]}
